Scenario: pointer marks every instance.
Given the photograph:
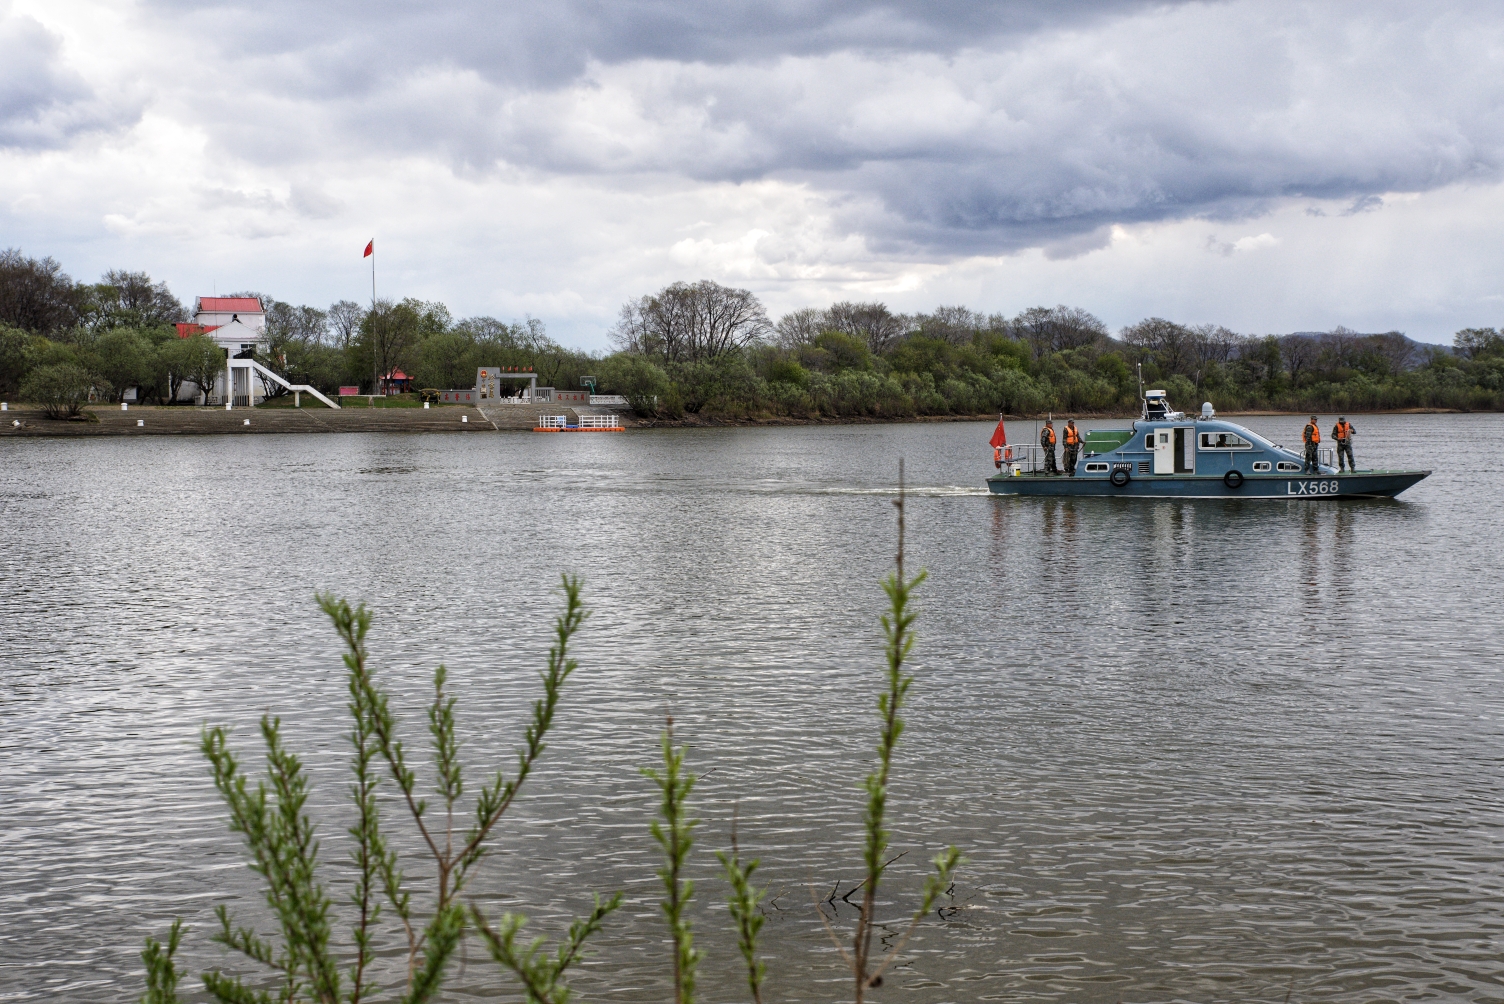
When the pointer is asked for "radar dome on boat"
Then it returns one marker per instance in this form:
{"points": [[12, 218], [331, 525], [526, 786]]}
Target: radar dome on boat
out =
{"points": [[1207, 411]]}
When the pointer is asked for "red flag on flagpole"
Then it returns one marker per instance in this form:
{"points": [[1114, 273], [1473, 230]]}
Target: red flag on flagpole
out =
{"points": [[370, 248], [999, 437]]}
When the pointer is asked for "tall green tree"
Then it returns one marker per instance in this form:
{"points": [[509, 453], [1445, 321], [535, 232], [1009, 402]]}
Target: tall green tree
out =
{"points": [[127, 359], [15, 358], [36, 295], [123, 299], [203, 363]]}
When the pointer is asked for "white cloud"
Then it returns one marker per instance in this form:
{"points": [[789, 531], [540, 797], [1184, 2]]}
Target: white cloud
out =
{"points": [[1039, 158], [1226, 248], [44, 103]]}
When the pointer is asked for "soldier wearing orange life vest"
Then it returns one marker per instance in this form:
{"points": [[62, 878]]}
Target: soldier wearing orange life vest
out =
{"points": [[1047, 440], [1312, 436], [1342, 432], [1072, 446]]}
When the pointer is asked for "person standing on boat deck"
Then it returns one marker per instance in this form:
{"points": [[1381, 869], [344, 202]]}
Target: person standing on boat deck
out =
{"points": [[1342, 432], [1047, 440], [1312, 435], [1072, 446]]}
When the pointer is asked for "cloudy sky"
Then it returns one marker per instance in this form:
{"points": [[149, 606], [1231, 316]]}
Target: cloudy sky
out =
{"points": [[1268, 166]]}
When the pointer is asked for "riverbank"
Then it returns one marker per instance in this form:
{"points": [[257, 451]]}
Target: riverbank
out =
{"points": [[180, 421], [149, 420]]}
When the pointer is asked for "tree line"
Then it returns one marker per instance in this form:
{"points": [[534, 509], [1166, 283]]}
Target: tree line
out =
{"points": [[704, 349], [701, 348]]}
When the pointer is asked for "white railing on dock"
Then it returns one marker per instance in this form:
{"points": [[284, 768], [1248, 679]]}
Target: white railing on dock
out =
{"points": [[553, 421], [599, 422]]}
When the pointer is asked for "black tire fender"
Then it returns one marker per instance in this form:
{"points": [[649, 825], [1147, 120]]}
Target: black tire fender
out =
{"points": [[1233, 480], [1119, 477]]}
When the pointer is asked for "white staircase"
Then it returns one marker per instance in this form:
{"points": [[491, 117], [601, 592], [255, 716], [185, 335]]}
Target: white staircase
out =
{"points": [[298, 389]]}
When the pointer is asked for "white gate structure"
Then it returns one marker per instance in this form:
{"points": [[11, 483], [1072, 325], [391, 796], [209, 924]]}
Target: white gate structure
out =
{"points": [[488, 384]]}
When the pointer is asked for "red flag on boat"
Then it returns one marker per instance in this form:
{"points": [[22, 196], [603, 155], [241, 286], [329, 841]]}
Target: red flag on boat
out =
{"points": [[999, 437], [370, 248]]}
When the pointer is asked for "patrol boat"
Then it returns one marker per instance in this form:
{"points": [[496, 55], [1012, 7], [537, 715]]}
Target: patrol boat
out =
{"points": [[1166, 455]]}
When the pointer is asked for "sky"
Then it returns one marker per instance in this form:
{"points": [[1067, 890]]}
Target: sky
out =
{"points": [[1268, 166]]}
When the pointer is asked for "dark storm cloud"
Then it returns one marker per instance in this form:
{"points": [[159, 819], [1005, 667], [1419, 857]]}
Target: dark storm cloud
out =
{"points": [[354, 43], [953, 128], [42, 103]]}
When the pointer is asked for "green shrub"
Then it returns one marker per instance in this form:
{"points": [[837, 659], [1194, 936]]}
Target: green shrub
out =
{"points": [[643, 384], [61, 389], [15, 359], [127, 359]]}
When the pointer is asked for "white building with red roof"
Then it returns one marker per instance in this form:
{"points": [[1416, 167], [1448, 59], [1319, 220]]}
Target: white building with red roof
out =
{"points": [[238, 325]]}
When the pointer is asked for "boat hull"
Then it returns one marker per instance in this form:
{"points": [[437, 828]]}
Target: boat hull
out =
{"points": [[1361, 484]]}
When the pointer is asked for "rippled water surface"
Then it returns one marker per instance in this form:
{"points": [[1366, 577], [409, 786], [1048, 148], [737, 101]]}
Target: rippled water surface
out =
{"points": [[1193, 751]]}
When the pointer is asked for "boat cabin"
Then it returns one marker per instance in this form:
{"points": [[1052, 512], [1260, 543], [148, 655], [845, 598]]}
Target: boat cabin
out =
{"points": [[1166, 442]]}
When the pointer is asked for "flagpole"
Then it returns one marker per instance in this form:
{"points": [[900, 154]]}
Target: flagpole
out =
{"points": [[375, 356]]}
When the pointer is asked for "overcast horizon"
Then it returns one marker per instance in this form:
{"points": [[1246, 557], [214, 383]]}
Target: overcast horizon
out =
{"points": [[1269, 167]]}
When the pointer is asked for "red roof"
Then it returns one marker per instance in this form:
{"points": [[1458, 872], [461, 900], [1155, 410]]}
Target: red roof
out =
{"points": [[397, 375], [230, 304], [184, 330]]}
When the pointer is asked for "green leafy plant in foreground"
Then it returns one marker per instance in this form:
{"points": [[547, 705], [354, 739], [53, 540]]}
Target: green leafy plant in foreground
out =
{"points": [[674, 837], [279, 835], [898, 624], [161, 971], [311, 964], [744, 905]]}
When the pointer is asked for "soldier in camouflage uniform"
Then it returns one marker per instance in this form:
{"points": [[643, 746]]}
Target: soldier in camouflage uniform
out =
{"points": [[1312, 436], [1072, 447], [1047, 440], [1342, 433]]}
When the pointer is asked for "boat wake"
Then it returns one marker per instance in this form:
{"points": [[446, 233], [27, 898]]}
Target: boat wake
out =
{"points": [[931, 491]]}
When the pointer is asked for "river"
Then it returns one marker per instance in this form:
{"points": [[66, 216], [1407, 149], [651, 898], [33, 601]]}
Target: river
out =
{"points": [[1192, 751]]}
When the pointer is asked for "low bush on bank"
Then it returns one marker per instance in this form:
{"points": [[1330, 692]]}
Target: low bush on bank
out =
{"points": [[61, 391]]}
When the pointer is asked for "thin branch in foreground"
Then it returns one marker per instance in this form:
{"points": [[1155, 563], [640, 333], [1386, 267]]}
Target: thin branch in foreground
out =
{"points": [[161, 972], [743, 903], [541, 974], [674, 837]]}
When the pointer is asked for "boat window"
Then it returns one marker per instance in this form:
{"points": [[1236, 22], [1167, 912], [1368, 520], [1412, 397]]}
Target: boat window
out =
{"points": [[1286, 465], [1261, 465], [1224, 441], [1095, 468], [1149, 441]]}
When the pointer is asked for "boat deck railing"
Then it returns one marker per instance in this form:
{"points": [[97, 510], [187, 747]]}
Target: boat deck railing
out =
{"points": [[1026, 458]]}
